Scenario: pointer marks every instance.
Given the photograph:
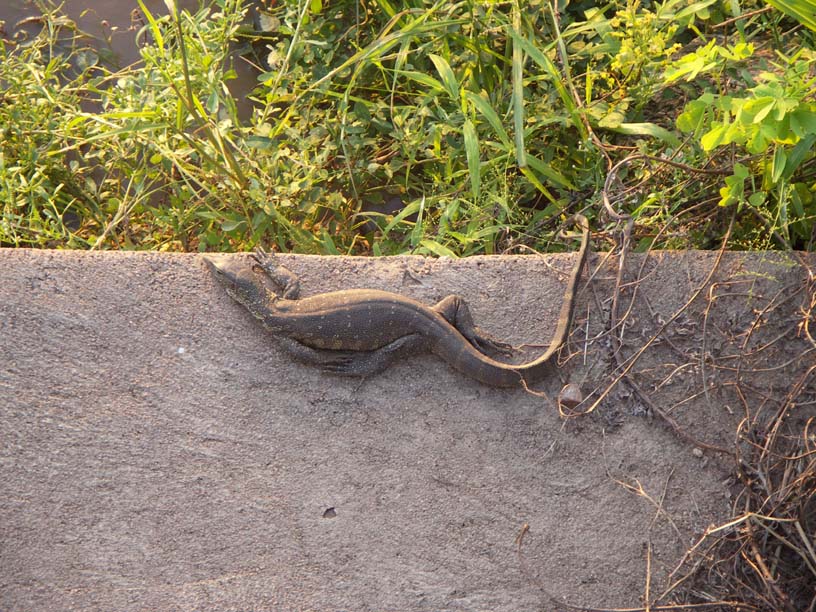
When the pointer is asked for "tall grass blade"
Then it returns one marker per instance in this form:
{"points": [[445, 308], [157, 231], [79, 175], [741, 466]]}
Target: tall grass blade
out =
{"points": [[155, 30], [548, 171], [558, 81], [530, 175], [518, 90], [801, 10], [473, 161]]}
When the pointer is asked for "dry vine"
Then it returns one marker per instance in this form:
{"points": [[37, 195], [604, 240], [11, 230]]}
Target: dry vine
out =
{"points": [[763, 558]]}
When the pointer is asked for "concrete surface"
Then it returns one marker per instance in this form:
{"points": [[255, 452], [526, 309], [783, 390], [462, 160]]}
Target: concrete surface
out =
{"points": [[158, 452]]}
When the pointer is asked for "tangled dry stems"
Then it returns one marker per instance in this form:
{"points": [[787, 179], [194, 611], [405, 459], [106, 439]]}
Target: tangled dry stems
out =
{"points": [[763, 559]]}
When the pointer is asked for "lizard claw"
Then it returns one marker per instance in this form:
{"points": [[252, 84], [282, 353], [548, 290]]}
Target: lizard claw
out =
{"points": [[260, 255], [488, 345], [266, 261], [281, 276], [339, 365], [485, 343]]}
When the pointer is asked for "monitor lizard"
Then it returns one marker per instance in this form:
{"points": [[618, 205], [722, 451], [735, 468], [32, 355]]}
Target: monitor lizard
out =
{"points": [[358, 332]]}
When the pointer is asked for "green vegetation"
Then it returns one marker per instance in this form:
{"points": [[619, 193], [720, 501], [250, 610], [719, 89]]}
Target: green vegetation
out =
{"points": [[484, 122]]}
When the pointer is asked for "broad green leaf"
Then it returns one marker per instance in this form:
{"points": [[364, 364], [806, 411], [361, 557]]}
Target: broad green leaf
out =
{"points": [[757, 199], [260, 142], [547, 170], [801, 197], [756, 109], [212, 102], [803, 122], [716, 136], [647, 129], [690, 12], [611, 119], [777, 131], [692, 64], [486, 111], [258, 219], [736, 13], [411, 209], [423, 79], [798, 154], [695, 113], [445, 72], [361, 111], [778, 163], [687, 68], [738, 52], [231, 225], [734, 189], [437, 249], [757, 141]]}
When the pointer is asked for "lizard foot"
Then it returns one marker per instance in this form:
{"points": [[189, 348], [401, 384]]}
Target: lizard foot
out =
{"points": [[366, 363], [486, 344], [262, 258], [281, 276], [456, 312]]}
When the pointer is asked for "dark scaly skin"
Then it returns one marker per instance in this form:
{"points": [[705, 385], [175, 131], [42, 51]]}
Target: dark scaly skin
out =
{"points": [[358, 332]]}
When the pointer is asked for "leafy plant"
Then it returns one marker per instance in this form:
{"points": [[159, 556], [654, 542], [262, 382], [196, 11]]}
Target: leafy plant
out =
{"points": [[446, 128], [773, 124]]}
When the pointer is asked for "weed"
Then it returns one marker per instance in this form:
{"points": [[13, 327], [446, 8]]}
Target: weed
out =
{"points": [[486, 122]]}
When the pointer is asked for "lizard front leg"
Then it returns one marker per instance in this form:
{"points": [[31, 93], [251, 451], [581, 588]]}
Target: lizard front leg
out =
{"points": [[456, 312], [284, 278]]}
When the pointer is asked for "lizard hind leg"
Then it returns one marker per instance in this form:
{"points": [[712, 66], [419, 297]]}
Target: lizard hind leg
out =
{"points": [[354, 363], [456, 312]]}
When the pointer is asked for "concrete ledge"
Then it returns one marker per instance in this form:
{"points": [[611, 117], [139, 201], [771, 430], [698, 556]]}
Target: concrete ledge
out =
{"points": [[157, 451]]}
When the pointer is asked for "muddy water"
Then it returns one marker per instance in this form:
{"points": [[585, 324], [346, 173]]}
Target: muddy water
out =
{"points": [[115, 24]]}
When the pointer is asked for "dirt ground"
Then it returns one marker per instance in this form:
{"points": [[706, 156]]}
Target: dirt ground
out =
{"points": [[158, 451]]}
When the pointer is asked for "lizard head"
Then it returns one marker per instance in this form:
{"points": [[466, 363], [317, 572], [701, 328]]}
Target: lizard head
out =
{"points": [[238, 278]]}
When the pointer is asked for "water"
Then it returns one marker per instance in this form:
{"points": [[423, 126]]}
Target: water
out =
{"points": [[115, 24]]}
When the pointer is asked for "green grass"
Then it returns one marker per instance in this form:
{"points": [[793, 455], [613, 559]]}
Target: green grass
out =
{"points": [[486, 122]]}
